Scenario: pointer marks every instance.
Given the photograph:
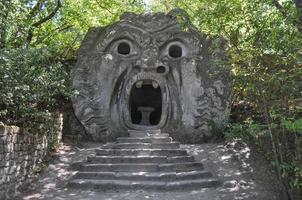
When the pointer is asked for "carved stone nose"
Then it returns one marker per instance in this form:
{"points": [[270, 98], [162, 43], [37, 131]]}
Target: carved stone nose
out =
{"points": [[145, 65], [149, 57], [160, 69]]}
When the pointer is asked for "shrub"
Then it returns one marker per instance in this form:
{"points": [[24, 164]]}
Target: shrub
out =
{"points": [[32, 87]]}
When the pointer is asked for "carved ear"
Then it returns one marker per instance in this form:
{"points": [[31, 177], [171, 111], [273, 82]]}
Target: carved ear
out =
{"points": [[89, 41]]}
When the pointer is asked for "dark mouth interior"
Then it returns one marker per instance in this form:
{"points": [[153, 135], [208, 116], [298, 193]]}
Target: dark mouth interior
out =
{"points": [[145, 105]]}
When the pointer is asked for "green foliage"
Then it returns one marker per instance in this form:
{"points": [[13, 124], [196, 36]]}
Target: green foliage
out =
{"points": [[293, 126], [246, 130], [235, 131], [293, 170], [33, 85], [38, 38], [64, 31]]}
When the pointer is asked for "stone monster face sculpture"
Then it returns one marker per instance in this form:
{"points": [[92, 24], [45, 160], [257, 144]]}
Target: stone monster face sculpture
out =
{"points": [[151, 71]]}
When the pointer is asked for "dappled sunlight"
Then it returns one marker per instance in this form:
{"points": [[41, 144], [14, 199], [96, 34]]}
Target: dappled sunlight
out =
{"points": [[33, 196], [53, 180], [49, 186], [225, 157], [229, 161]]}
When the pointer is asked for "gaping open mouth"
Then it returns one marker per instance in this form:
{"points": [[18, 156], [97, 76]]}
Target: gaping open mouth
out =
{"points": [[145, 103]]}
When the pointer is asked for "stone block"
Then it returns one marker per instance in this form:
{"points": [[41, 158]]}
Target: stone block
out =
{"points": [[14, 138], [21, 159], [9, 147], [22, 147], [11, 191], [7, 156], [27, 157], [3, 194], [2, 163], [8, 138], [16, 147], [11, 169], [2, 130]]}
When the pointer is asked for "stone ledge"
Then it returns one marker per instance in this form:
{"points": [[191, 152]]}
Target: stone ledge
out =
{"points": [[4, 130]]}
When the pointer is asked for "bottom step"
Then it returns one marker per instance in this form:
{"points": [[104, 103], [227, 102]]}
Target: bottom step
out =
{"points": [[146, 185], [144, 176]]}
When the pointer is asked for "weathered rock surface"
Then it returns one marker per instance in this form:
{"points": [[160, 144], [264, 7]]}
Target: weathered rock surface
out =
{"points": [[151, 71]]}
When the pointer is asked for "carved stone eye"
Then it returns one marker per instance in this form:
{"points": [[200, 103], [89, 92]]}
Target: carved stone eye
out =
{"points": [[123, 48], [175, 51]]}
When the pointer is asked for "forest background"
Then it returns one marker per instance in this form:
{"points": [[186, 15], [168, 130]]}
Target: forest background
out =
{"points": [[39, 40]]}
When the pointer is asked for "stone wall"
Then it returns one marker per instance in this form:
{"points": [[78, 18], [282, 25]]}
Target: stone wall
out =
{"points": [[21, 155]]}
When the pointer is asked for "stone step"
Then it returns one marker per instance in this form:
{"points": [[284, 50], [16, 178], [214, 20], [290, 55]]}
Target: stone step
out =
{"points": [[140, 135], [141, 152], [151, 185], [148, 176], [165, 145], [145, 167], [139, 159], [149, 131], [147, 134], [145, 160], [144, 139]]}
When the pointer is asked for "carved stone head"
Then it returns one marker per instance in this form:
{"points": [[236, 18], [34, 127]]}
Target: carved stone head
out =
{"points": [[151, 71]]}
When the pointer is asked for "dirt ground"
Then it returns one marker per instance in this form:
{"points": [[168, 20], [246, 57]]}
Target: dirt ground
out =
{"points": [[245, 175]]}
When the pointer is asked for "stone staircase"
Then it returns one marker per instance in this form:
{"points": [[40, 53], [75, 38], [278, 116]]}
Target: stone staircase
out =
{"points": [[145, 160]]}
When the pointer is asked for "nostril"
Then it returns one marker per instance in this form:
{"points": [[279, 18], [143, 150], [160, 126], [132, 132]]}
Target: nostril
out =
{"points": [[136, 68], [161, 69]]}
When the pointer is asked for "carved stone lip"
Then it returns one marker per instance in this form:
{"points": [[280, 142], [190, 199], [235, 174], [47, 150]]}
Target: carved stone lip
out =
{"points": [[124, 103]]}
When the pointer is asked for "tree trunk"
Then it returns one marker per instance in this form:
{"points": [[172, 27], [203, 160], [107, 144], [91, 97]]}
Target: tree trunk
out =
{"points": [[4, 11], [298, 4], [42, 21], [296, 22]]}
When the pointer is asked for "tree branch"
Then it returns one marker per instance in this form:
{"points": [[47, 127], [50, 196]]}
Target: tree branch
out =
{"points": [[48, 17], [41, 21], [105, 8], [295, 22], [5, 7], [280, 8], [37, 7], [54, 31]]}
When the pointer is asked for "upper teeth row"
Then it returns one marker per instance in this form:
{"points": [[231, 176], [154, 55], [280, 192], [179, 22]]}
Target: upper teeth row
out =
{"points": [[139, 84], [154, 84]]}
